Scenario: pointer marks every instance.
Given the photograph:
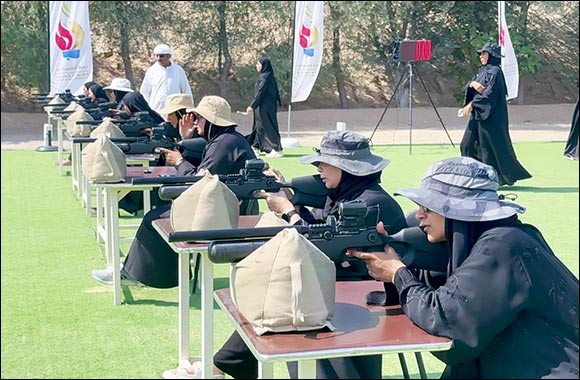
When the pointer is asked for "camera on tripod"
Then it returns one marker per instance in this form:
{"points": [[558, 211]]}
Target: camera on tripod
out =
{"points": [[412, 50]]}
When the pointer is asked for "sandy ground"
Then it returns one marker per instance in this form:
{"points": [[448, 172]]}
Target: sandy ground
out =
{"points": [[423, 125]]}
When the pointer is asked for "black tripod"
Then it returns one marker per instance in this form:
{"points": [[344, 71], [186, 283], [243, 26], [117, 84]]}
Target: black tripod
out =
{"points": [[409, 68]]}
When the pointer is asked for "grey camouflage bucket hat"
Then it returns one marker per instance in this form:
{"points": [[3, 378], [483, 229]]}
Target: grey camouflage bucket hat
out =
{"points": [[462, 188], [348, 151], [491, 48]]}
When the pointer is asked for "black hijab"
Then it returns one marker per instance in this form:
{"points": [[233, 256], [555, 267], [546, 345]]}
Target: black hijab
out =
{"points": [[462, 236], [100, 94], [267, 73], [137, 103], [88, 85], [349, 188]]}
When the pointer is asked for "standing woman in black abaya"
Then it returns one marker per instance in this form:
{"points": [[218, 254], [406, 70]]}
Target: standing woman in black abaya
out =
{"points": [[265, 136], [571, 149], [487, 137]]}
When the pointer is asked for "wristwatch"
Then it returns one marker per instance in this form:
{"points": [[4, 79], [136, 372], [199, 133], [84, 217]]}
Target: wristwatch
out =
{"points": [[288, 215]]}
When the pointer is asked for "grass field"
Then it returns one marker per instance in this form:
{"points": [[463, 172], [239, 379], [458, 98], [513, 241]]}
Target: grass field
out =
{"points": [[57, 322]]}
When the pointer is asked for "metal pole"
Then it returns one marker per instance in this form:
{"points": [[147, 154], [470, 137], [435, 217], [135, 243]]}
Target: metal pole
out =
{"points": [[410, 107], [291, 72]]}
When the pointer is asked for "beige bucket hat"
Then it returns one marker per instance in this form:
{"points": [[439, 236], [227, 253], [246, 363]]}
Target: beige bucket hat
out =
{"points": [[175, 102], [216, 110]]}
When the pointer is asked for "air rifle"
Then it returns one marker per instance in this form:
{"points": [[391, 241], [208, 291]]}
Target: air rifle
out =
{"points": [[190, 148], [98, 111], [134, 127], [308, 190], [44, 99], [354, 228]]}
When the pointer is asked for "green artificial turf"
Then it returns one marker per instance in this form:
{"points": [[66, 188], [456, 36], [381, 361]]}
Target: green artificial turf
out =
{"points": [[57, 322]]}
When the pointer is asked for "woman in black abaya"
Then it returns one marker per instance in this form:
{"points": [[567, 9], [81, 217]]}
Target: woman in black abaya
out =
{"points": [[265, 136], [487, 138], [571, 149]]}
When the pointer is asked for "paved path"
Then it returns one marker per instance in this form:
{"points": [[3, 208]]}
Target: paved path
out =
{"points": [[527, 123]]}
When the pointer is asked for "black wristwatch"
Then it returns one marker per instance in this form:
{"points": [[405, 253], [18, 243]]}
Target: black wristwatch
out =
{"points": [[288, 215]]}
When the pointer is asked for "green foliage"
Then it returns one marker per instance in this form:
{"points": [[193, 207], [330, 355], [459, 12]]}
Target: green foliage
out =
{"points": [[24, 44], [544, 35]]}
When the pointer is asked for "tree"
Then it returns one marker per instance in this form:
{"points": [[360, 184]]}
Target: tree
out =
{"points": [[24, 45]]}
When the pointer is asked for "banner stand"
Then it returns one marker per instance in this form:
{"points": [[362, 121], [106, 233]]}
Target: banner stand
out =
{"points": [[47, 147]]}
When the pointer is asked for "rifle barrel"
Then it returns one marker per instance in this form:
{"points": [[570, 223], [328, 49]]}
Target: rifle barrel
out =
{"points": [[167, 180], [229, 234]]}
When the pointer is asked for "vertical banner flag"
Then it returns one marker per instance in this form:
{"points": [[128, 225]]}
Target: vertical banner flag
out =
{"points": [[308, 32], [509, 62], [71, 55]]}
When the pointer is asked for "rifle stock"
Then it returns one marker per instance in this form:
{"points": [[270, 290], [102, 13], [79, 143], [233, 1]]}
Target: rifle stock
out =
{"points": [[351, 230]]}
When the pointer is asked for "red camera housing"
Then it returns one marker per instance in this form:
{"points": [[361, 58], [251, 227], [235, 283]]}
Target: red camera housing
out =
{"points": [[415, 50]]}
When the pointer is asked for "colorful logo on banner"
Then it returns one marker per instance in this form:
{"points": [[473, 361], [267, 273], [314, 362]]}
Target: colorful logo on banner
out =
{"points": [[70, 35], [309, 34]]}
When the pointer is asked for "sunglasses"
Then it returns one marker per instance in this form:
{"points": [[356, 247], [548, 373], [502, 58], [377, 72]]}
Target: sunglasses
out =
{"points": [[424, 209], [162, 55]]}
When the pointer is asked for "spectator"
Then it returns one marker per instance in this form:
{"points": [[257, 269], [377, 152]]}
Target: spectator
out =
{"points": [[509, 304], [163, 78], [571, 149], [265, 135], [487, 137]]}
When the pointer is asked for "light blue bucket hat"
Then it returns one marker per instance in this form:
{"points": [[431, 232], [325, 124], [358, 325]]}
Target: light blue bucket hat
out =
{"points": [[348, 151], [462, 188]]}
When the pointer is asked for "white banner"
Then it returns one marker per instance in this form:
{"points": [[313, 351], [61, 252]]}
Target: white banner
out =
{"points": [[509, 63], [71, 54], [308, 32]]}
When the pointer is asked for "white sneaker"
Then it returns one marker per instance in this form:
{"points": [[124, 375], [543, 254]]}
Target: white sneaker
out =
{"points": [[275, 154], [105, 276], [186, 370]]}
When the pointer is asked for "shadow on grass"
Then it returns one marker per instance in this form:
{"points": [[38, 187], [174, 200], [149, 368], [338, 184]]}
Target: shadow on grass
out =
{"points": [[288, 155], [532, 189], [195, 299]]}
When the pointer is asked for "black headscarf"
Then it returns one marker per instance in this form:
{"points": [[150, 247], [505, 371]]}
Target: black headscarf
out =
{"points": [[88, 85], [137, 103], [494, 61], [461, 236], [100, 94], [266, 72], [349, 188], [119, 96]]}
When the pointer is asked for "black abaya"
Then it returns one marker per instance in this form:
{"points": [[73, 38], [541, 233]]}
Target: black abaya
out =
{"points": [[571, 149], [486, 137], [265, 135]]}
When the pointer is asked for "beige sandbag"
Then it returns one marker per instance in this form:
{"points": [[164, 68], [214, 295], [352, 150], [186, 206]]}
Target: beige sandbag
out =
{"points": [[103, 161], [285, 285], [208, 204], [56, 100], [75, 130], [271, 219], [107, 128], [73, 106]]}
